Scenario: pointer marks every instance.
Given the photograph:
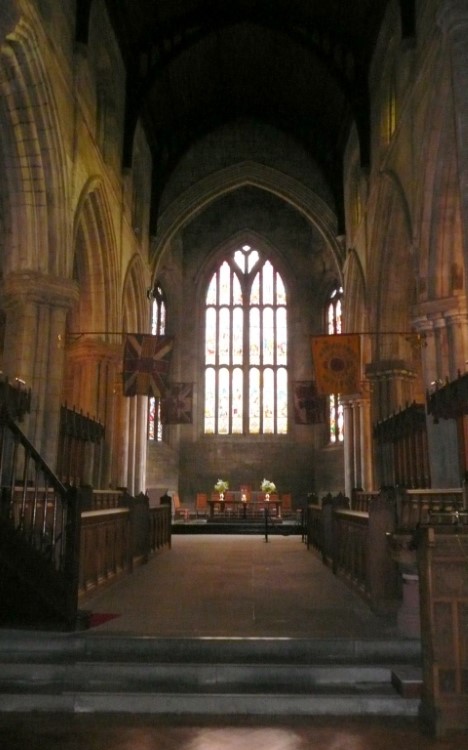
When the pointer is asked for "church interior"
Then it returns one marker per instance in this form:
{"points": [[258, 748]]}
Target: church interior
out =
{"points": [[234, 300]]}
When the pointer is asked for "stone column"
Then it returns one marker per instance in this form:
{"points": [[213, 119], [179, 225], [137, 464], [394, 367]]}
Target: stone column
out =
{"points": [[349, 445], [366, 446], [391, 389], [457, 326], [452, 18], [442, 439], [94, 365], [141, 444], [36, 308], [357, 443]]}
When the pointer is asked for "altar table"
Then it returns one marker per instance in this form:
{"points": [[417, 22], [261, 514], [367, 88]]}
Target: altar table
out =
{"points": [[243, 508]]}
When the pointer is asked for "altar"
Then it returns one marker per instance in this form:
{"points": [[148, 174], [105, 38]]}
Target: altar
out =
{"points": [[241, 505]]}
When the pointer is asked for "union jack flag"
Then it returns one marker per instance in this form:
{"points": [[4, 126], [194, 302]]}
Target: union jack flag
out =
{"points": [[309, 406], [146, 364], [176, 407]]}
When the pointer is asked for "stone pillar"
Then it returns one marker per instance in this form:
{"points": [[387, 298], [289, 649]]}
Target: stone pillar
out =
{"points": [[452, 18], [366, 448], [392, 382], [442, 438], [391, 389], [132, 438], [141, 443], [349, 446], [36, 308], [457, 327], [356, 444], [93, 366], [122, 427]]}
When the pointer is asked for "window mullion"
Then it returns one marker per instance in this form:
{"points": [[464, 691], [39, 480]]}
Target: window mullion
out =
{"points": [[246, 364], [234, 365], [216, 369], [262, 364], [231, 358]]}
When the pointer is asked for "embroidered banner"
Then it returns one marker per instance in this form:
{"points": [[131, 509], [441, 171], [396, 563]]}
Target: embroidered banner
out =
{"points": [[176, 406], [337, 363], [309, 406], [146, 364]]}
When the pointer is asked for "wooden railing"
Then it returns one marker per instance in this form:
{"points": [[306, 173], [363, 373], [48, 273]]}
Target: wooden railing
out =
{"points": [[355, 541], [81, 439], [160, 528], [360, 500], [97, 499], [39, 526], [443, 556], [401, 448], [105, 551], [115, 540], [416, 507]]}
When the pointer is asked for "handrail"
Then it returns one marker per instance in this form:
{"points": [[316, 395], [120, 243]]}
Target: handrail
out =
{"points": [[40, 513]]}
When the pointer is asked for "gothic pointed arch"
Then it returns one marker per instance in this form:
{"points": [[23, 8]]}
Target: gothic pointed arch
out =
{"points": [[32, 158], [194, 199], [391, 278], [245, 339], [395, 364], [135, 298], [355, 313], [245, 236], [95, 265], [442, 266]]}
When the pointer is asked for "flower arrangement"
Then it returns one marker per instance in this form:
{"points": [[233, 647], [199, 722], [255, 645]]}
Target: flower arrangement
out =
{"points": [[221, 485], [267, 486]]}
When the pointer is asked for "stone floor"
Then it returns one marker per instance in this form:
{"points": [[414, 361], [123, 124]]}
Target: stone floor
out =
{"points": [[227, 586], [237, 586], [38, 732]]}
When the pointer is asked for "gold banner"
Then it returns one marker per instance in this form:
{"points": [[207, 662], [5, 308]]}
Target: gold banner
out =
{"points": [[337, 363]]}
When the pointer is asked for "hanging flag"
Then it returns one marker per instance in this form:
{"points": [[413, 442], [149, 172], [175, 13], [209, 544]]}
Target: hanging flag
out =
{"points": [[337, 363], [176, 406], [146, 364], [309, 406]]}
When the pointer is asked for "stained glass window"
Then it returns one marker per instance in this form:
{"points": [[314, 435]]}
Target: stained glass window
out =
{"points": [[246, 347], [336, 417], [158, 328]]}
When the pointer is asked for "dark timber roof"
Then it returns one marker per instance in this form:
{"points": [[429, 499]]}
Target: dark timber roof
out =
{"points": [[301, 65]]}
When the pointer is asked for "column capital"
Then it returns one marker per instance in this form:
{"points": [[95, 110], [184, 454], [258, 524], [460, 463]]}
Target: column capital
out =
{"points": [[452, 16], [28, 286], [390, 368]]}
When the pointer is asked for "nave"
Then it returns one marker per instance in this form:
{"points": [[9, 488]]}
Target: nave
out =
{"points": [[238, 588]]}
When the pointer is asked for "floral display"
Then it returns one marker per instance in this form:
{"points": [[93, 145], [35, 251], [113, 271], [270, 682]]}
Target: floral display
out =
{"points": [[268, 486], [221, 485]]}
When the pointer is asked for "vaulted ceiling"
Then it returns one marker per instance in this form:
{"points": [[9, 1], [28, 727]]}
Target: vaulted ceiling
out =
{"points": [[300, 65]]}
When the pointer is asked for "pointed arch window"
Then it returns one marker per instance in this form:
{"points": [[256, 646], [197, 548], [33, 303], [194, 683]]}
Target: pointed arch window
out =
{"points": [[334, 326], [246, 347], [158, 328]]}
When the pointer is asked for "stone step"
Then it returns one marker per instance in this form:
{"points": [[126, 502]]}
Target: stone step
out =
{"points": [[259, 676], [118, 676], [358, 703], [237, 526], [42, 647]]}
